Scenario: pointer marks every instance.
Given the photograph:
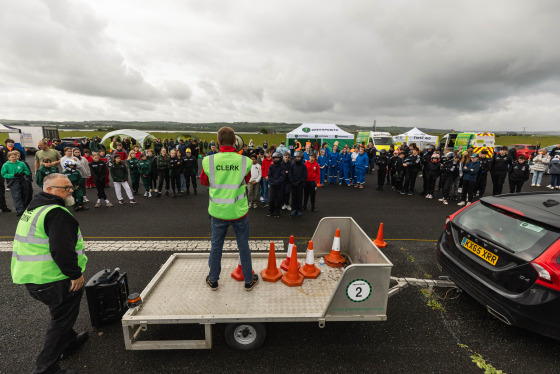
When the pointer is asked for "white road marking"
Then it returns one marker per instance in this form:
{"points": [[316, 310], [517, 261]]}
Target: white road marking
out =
{"points": [[163, 245]]}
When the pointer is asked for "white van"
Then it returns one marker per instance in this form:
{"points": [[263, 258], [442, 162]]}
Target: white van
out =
{"points": [[381, 140]]}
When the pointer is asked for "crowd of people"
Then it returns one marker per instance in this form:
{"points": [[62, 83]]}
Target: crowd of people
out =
{"points": [[281, 179]]}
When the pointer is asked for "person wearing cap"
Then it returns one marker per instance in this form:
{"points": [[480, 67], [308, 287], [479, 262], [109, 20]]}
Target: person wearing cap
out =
{"points": [[518, 174], [227, 174], [470, 173]]}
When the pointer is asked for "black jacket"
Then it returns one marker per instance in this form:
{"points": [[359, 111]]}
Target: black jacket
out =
{"points": [[62, 229], [98, 170], [413, 163], [190, 164], [519, 172], [500, 164], [298, 173], [276, 175], [448, 168]]}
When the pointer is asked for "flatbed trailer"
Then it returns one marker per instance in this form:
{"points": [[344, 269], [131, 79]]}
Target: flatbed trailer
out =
{"points": [[178, 293]]}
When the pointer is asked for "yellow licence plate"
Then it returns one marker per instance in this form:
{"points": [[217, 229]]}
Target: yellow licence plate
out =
{"points": [[481, 252]]}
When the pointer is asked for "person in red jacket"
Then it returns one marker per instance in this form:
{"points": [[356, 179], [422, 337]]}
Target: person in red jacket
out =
{"points": [[264, 168], [313, 178]]}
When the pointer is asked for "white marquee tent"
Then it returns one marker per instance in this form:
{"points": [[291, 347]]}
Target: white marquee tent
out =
{"points": [[323, 133], [138, 135], [415, 136]]}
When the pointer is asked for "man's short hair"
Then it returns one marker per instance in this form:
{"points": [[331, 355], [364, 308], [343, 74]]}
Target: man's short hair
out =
{"points": [[312, 155], [50, 179], [118, 156], [521, 157], [504, 148], [67, 148], [46, 159], [9, 141], [226, 136], [286, 153], [13, 153]]}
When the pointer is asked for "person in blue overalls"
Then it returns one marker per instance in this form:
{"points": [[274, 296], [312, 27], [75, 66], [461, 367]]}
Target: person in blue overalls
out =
{"points": [[334, 160], [362, 164], [345, 164], [354, 155], [323, 161]]}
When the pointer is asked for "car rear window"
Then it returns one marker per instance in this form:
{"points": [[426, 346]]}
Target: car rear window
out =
{"points": [[532, 147], [508, 231]]}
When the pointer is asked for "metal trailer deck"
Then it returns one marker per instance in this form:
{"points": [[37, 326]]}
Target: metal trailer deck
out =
{"points": [[178, 293]]}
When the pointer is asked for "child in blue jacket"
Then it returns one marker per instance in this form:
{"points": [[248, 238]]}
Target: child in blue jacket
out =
{"points": [[345, 165], [323, 161], [470, 173]]}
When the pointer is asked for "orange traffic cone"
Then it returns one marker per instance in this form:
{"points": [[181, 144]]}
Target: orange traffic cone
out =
{"points": [[379, 241], [271, 273], [285, 265], [293, 278], [309, 270], [237, 274], [334, 259]]}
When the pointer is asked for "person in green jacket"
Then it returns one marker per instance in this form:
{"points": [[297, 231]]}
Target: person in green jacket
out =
{"points": [[45, 170], [71, 171], [119, 173], [145, 170], [162, 172], [95, 144], [15, 171], [132, 164]]}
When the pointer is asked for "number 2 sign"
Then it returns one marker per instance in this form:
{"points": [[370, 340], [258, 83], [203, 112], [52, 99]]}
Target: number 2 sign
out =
{"points": [[358, 290]]}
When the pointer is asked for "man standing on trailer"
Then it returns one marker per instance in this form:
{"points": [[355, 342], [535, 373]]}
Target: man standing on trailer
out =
{"points": [[227, 174], [48, 258]]}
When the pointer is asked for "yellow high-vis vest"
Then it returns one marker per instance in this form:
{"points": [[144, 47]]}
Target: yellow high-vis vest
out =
{"points": [[226, 172], [31, 258]]}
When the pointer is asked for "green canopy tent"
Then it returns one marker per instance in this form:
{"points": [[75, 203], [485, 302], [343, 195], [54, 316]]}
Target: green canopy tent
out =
{"points": [[322, 133]]}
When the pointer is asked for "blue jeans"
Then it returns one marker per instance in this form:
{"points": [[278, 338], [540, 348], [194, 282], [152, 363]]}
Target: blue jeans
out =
{"points": [[264, 190], [555, 180], [18, 193], [219, 231], [183, 182], [537, 177]]}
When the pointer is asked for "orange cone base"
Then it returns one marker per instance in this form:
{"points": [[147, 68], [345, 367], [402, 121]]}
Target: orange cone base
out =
{"points": [[335, 260], [286, 264], [292, 280], [380, 243], [309, 271], [271, 275], [237, 274]]}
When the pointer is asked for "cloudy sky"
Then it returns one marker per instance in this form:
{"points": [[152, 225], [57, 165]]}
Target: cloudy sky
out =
{"points": [[480, 65]]}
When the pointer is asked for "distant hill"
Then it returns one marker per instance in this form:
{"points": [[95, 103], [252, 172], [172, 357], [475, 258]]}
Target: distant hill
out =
{"points": [[271, 127]]}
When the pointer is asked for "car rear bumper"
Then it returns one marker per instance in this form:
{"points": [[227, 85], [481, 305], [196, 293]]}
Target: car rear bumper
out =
{"points": [[535, 309]]}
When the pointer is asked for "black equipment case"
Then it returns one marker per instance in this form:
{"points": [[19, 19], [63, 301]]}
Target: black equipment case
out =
{"points": [[107, 293]]}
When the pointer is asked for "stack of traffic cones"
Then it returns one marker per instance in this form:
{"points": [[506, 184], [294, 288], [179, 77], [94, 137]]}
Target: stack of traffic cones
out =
{"points": [[293, 278], [309, 270], [334, 259], [271, 273], [286, 263], [379, 241]]}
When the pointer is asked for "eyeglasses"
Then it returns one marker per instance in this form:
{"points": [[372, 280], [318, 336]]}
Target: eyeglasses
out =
{"points": [[66, 188]]}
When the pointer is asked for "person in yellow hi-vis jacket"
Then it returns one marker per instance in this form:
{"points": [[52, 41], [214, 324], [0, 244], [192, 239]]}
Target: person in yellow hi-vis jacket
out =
{"points": [[227, 173], [48, 258]]}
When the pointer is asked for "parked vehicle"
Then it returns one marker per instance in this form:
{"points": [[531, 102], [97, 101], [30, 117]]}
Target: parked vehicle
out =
{"points": [[381, 140], [27, 137], [479, 141], [526, 150], [504, 251]]}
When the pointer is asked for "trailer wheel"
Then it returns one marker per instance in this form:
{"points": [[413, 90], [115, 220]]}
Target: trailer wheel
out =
{"points": [[245, 336]]}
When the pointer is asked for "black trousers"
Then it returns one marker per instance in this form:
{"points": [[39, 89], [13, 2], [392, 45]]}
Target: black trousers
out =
{"points": [[309, 192], [468, 190], [64, 307], [276, 195], [515, 186], [163, 175], [2, 194], [430, 179], [297, 196], [381, 173], [189, 179], [100, 186], [481, 183], [447, 181], [498, 180], [175, 180], [410, 180]]}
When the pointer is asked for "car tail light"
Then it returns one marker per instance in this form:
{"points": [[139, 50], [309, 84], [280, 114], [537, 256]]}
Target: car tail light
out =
{"points": [[548, 268], [450, 217]]}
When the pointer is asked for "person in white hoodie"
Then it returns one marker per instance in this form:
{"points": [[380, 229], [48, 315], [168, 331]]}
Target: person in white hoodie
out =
{"points": [[254, 186], [540, 164]]}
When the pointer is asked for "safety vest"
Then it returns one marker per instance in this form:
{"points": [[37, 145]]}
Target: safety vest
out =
{"points": [[226, 172], [31, 258]]}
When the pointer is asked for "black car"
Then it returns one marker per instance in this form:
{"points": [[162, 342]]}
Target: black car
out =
{"points": [[504, 251]]}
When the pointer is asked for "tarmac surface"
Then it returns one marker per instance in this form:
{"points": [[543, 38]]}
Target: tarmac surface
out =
{"points": [[416, 338]]}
